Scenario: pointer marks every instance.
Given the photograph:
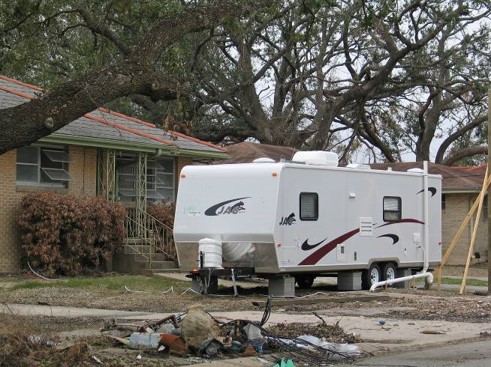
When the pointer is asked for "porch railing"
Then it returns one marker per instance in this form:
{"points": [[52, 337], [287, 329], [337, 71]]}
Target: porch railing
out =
{"points": [[149, 237]]}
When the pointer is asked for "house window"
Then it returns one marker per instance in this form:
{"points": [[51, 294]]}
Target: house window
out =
{"points": [[392, 208], [42, 166], [309, 206], [126, 171], [160, 178]]}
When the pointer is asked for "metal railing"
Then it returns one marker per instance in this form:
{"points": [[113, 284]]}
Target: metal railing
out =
{"points": [[148, 237]]}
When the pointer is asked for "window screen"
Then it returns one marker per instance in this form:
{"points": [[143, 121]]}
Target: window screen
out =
{"points": [[42, 166], [309, 206], [392, 208], [159, 178]]}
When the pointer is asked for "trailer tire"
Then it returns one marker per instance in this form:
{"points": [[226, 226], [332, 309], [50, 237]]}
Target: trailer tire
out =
{"points": [[304, 281], [371, 276], [389, 271]]}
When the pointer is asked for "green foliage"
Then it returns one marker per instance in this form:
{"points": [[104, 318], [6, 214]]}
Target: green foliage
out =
{"points": [[469, 282], [284, 74], [110, 282], [64, 235]]}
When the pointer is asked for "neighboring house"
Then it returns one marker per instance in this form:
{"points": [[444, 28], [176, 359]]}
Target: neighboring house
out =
{"points": [[246, 152], [460, 187], [102, 153]]}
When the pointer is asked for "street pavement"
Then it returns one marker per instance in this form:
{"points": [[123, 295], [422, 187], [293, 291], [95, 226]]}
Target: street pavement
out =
{"points": [[470, 354]]}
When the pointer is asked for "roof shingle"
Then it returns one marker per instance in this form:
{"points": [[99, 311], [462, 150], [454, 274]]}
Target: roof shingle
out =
{"points": [[105, 124]]}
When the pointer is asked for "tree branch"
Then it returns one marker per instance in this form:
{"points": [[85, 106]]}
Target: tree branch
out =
{"points": [[463, 153]]}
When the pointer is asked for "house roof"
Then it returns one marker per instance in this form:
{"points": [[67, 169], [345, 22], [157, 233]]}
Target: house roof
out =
{"points": [[246, 152], [110, 129], [454, 178]]}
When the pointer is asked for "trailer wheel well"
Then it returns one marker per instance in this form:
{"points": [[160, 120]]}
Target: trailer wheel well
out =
{"points": [[371, 275], [304, 281], [389, 270]]}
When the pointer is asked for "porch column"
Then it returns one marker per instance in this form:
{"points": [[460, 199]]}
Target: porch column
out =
{"points": [[141, 194]]}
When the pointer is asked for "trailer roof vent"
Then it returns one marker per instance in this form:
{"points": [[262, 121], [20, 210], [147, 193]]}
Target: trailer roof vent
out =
{"points": [[263, 160], [415, 170], [317, 157]]}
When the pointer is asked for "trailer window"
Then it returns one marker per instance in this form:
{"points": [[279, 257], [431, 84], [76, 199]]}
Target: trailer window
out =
{"points": [[392, 208], [309, 206]]}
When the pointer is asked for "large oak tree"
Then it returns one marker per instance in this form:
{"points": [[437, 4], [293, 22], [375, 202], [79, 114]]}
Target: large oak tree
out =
{"points": [[385, 77], [134, 68]]}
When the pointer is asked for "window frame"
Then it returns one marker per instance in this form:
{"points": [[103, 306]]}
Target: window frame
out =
{"points": [[398, 212], [153, 171], [43, 178], [316, 206]]}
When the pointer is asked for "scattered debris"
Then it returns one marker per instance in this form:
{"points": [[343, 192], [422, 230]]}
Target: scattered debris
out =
{"points": [[283, 363], [198, 326], [142, 341], [198, 333]]}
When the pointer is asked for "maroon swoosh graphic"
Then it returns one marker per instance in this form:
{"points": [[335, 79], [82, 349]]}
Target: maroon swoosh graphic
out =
{"points": [[406, 220], [313, 258]]}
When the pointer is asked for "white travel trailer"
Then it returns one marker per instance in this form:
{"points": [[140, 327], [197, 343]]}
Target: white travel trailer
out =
{"points": [[308, 217]]}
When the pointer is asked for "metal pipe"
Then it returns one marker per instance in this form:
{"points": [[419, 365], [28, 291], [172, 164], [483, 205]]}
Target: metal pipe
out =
{"points": [[426, 260], [403, 279]]}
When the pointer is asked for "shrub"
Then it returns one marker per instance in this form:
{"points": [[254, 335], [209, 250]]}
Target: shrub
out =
{"points": [[65, 235], [163, 212]]}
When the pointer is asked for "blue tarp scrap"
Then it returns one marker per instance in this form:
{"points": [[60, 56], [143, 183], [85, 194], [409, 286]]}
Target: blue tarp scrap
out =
{"points": [[283, 363]]}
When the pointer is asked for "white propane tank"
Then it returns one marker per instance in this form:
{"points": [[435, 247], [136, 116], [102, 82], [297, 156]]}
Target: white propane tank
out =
{"points": [[210, 253]]}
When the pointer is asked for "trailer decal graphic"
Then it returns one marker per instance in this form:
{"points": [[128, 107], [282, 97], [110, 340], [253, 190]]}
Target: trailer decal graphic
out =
{"points": [[306, 246], [407, 220], [430, 189], [393, 237], [288, 221], [231, 209], [314, 258], [328, 247]]}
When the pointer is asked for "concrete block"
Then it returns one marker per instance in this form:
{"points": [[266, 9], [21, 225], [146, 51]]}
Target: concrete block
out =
{"points": [[349, 281], [403, 273], [281, 287]]}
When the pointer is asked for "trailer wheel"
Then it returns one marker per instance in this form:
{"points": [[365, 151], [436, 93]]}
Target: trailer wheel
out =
{"points": [[390, 271], [371, 276], [304, 281]]}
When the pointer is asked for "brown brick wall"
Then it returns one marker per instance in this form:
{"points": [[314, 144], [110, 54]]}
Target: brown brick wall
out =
{"points": [[457, 208], [9, 204], [181, 162], [82, 169]]}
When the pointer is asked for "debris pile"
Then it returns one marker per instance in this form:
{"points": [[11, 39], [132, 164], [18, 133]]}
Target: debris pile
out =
{"points": [[197, 333]]}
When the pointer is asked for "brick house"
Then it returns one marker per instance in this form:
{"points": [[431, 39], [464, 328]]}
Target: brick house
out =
{"points": [[102, 153]]}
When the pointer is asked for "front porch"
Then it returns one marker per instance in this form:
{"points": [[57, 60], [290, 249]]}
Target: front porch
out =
{"points": [[129, 179]]}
